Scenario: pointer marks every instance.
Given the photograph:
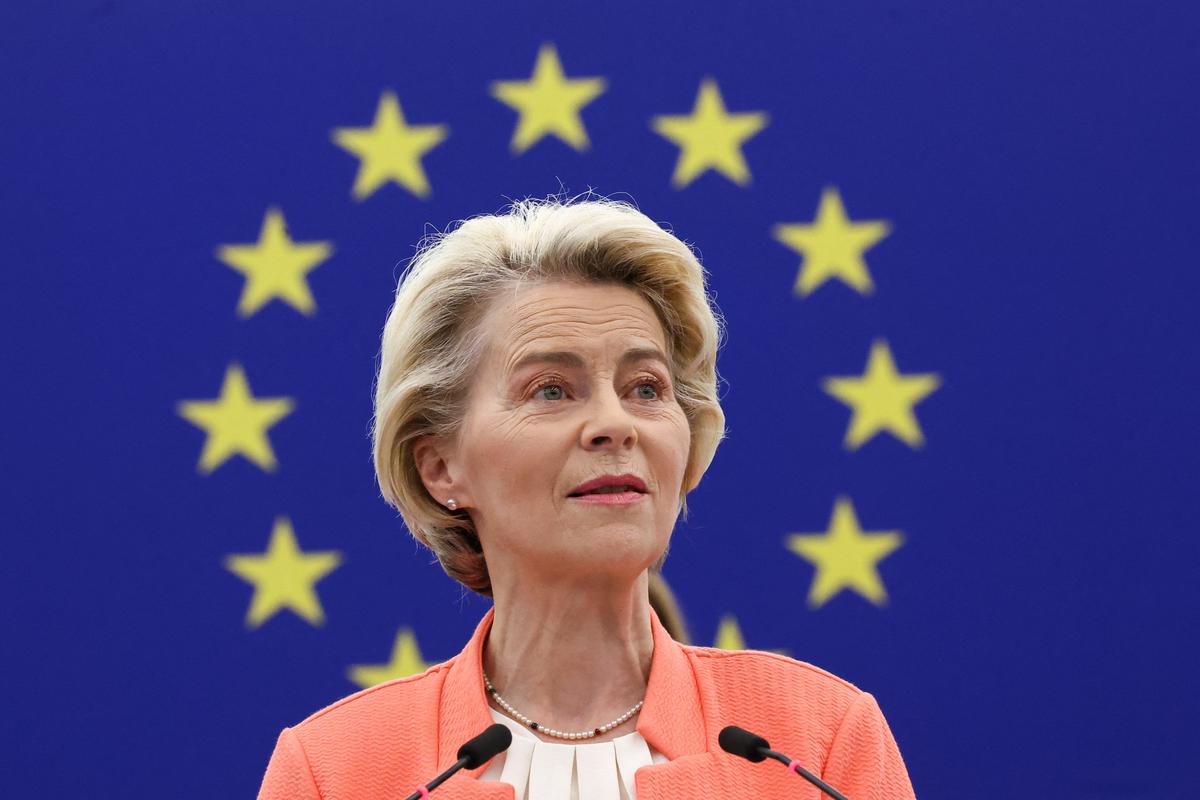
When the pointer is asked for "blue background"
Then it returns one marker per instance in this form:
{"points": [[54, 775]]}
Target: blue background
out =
{"points": [[1037, 163]]}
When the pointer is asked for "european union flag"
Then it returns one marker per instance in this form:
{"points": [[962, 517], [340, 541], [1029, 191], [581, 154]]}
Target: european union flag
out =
{"points": [[954, 246]]}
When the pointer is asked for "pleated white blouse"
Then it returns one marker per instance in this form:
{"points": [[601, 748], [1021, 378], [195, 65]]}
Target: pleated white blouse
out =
{"points": [[539, 770]]}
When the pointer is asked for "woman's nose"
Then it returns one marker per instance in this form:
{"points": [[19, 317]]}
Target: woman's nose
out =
{"points": [[609, 424]]}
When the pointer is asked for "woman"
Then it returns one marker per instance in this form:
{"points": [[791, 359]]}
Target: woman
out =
{"points": [[547, 397]]}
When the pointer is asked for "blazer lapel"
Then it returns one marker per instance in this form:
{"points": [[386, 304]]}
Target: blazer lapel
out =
{"points": [[672, 721], [463, 713]]}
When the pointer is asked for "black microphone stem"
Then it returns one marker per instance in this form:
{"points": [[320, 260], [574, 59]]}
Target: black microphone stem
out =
{"points": [[440, 779], [803, 773]]}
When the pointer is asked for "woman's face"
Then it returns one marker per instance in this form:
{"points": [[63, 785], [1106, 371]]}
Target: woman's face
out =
{"points": [[571, 390]]}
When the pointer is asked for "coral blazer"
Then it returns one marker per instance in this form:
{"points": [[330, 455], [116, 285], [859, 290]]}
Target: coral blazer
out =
{"points": [[384, 741]]}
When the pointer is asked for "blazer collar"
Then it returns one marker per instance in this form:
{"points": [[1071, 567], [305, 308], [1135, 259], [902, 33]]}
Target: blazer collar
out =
{"points": [[670, 720]]}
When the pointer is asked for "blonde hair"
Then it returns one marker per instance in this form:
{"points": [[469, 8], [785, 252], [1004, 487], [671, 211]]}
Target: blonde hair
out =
{"points": [[666, 605], [432, 340]]}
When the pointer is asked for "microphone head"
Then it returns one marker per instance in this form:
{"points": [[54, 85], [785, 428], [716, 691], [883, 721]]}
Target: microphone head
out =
{"points": [[742, 743], [483, 747]]}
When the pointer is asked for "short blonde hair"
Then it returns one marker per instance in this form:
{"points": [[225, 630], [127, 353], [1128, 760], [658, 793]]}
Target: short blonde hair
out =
{"points": [[432, 340]]}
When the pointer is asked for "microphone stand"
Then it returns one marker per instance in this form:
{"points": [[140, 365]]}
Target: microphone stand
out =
{"points": [[423, 791], [795, 767]]}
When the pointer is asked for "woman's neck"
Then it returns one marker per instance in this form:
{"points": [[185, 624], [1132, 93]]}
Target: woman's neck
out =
{"points": [[571, 658]]}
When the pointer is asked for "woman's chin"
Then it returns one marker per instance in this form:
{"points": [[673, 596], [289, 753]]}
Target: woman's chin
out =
{"points": [[616, 554]]}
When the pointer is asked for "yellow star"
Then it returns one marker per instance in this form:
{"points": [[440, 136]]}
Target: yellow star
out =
{"points": [[832, 246], [882, 399], [283, 577], [390, 149], [845, 556], [236, 422], [275, 267], [729, 634], [710, 137], [548, 103], [406, 660]]}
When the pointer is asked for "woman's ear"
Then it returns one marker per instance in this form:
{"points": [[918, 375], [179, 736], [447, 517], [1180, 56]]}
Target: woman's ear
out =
{"points": [[434, 470]]}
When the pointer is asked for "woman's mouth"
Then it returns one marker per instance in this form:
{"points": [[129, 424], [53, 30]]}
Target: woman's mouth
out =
{"points": [[621, 498]]}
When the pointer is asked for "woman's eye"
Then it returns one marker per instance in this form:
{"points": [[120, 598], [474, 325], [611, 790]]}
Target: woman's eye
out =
{"points": [[550, 391], [653, 388]]}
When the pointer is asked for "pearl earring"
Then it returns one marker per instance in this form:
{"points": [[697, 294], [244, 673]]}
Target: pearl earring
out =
{"points": [[452, 503]]}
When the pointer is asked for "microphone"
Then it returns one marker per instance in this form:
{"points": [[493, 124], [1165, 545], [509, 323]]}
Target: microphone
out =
{"points": [[482, 748], [752, 747], [495, 739]]}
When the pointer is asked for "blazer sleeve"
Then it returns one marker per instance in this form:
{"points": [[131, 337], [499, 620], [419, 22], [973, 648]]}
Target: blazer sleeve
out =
{"points": [[288, 776], [864, 762]]}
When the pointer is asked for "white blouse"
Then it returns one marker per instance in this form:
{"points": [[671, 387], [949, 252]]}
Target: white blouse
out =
{"points": [[539, 770]]}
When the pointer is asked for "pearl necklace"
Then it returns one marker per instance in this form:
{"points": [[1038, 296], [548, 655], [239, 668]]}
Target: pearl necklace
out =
{"points": [[526, 721]]}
